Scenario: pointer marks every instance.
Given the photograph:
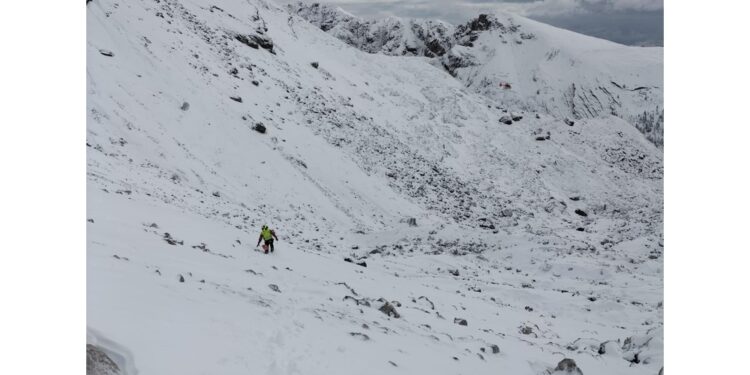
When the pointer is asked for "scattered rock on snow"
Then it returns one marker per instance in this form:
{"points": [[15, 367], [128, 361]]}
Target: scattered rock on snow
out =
{"points": [[185, 106], [237, 99], [411, 221], [274, 287], [569, 122], [516, 117], [460, 321]]}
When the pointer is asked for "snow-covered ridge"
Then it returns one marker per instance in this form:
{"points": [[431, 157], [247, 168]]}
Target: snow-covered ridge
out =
{"points": [[502, 237], [520, 62], [391, 36]]}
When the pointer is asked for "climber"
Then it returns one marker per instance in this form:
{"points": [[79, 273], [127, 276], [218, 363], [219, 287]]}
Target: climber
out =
{"points": [[267, 235]]}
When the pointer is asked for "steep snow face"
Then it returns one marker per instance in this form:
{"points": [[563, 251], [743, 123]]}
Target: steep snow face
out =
{"points": [[521, 63], [512, 59], [391, 36], [206, 121]]}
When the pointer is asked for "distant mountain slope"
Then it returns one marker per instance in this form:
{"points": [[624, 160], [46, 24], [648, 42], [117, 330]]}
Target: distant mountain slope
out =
{"points": [[520, 63], [500, 238]]}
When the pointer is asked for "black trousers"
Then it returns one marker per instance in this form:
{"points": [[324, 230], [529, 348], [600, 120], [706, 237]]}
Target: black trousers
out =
{"points": [[269, 243]]}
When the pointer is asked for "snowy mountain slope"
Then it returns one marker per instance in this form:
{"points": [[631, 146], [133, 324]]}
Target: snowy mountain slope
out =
{"points": [[354, 145], [521, 63]]}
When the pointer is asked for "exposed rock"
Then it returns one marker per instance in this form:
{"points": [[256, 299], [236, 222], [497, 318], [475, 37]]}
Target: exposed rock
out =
{"points": [[168, 238], [360, 335], [389, 310], [460, 321], [581, 212], [255, 41], [182, 279], [569, 122], [412, 222], [314, 64], [237, 99], [185, 106], [516, 117], [526, 330], [495, 349], [260, 128], [567, 366], [246, 41], [362, 301], [106, 52], [99, 363], [507, 120], [274, 287]]}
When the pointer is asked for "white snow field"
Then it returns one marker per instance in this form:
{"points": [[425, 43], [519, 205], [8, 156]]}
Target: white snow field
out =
{"points": [[544, 238]]}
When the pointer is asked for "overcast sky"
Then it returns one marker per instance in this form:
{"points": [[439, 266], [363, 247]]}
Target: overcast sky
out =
{"points": [[633, 22]]}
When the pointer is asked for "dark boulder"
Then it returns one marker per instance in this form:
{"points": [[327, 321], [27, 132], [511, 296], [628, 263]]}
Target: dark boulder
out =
{"points": [[260, 128], [567, 366]]}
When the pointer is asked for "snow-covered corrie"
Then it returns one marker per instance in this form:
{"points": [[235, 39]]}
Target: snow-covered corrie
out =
{"points": [[472, 245]]}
